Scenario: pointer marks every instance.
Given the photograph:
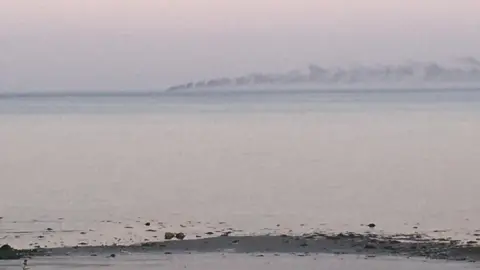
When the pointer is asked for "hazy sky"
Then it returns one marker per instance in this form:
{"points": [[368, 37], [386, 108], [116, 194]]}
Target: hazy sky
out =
{"points": [[149, 44]]}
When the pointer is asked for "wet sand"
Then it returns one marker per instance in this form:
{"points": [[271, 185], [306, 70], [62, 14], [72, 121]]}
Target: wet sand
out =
{"points": [[363, 245]]}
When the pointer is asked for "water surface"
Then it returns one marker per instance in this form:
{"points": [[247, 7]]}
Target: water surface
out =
{"points": [[257, 162]]}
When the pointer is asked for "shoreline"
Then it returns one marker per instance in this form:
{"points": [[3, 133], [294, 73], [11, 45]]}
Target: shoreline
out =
{"points": [[406, 246]]}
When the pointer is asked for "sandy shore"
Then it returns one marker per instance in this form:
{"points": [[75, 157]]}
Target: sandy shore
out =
{"points": [[369, 245]]}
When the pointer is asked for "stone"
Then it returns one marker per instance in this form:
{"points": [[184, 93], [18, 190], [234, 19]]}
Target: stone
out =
{"points": [[169, 235], [147, 224], [9, 253], [371, 225], [180, 236], [226, 233], [6, 248]]}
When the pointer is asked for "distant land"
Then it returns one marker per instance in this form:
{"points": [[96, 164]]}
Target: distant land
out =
{"points": [[463, 72]]}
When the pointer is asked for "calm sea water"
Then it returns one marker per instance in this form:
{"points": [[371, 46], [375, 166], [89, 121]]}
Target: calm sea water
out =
{"points": [[258, 162]]}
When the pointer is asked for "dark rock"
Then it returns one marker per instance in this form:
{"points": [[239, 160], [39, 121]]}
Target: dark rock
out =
{"points": [[180, 236], [226, 233], [151, 230], [209, 233], [112, 255], [6, 248], [49, 229], [169, 235], [147, 224], [371, 225], [9, 253]]}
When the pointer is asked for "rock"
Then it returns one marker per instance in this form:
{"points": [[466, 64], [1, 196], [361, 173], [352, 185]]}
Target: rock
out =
{"points": [[49, 229], [147, 224], [209, 233], [169, 235], [371, 225], [151, 230], [180, 236], [9, 253], [112, 255], [6, 248], [226, 233]]}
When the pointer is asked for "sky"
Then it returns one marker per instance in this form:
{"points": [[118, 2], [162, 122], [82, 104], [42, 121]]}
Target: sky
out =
{"points": [[111, 45]]}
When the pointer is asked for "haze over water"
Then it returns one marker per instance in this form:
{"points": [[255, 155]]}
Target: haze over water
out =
{"points": [[330, 160]]}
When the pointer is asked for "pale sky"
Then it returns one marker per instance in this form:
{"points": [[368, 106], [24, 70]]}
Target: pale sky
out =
{"points": [[65, 45]]}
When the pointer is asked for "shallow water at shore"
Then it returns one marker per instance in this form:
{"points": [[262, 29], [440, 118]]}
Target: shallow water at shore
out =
{"points": [[235, 262]]}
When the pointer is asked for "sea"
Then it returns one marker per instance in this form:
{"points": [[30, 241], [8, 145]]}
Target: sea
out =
{"points": [[125, 167]]}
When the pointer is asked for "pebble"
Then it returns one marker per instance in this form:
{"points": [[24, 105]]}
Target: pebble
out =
{"points": [[169, 235], [180, 236]]}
